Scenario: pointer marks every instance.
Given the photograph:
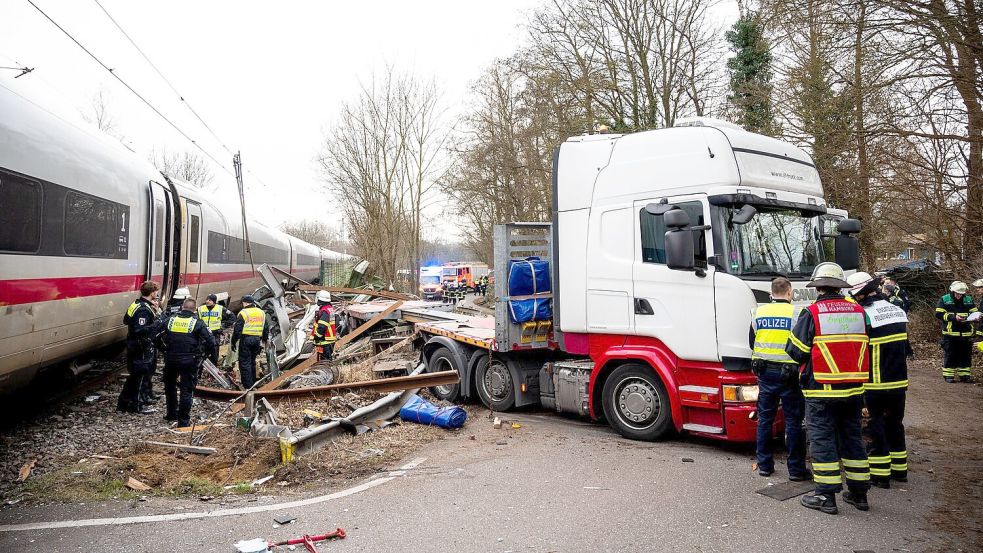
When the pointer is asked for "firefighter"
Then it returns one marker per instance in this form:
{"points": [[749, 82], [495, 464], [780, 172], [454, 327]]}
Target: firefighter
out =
{"points": [[953, 310], [187, 342], [324, 328], [884, 393], [249, 333], [177, 300], [778, 381], [895, 294], [484, 284], [214, 316], [141, 355], [829, 341]]}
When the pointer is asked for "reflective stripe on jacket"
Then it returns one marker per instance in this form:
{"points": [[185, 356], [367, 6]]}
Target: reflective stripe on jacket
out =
{"points": [[804, 347], [946, 311], [773, 326], [324, 328], [839, 351], [888, 345], [254, 319], [181, 325]]}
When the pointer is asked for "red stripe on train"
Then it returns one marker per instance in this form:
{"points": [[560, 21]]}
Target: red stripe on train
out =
{"points": [[34, 290]]}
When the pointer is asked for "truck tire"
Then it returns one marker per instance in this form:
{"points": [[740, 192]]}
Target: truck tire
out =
{"points": [[636, 403], [496, 386], [443, 360]]}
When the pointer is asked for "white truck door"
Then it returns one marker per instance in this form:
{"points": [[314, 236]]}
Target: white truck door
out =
{"points": [[676, 307]]}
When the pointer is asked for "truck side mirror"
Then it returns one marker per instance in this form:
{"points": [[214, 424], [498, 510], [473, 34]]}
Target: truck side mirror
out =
{"points": [[847, 246], [680, 247]]}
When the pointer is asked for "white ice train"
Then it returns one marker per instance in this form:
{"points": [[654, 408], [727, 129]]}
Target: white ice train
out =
{"points": [[83, 221]]}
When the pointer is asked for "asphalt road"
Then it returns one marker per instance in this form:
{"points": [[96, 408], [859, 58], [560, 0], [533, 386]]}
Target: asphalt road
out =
{"points": [[552, 485]]}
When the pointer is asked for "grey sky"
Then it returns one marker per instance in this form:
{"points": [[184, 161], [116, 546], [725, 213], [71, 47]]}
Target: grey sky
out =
{"points": [[267, 77]]}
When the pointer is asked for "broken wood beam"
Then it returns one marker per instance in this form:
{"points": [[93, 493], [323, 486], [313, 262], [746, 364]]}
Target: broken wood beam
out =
{"points": [[394, 384], [340, 344], [358, 292], [183, 447]]}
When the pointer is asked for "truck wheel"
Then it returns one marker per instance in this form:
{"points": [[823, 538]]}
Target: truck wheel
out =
{"points": [[495, 385], [443, 360], [636, 404]]}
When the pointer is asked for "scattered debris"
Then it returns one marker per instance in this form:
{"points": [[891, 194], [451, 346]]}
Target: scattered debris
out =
{"points": [[497, 423], [25, 471], [136, 485], [261, 481], [284, 520], [688, 460], [371, 452], [182, 447], [92, 398]]}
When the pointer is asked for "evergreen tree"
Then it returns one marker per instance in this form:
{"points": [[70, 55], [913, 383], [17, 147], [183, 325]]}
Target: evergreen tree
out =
{"points": [[750, 75]]}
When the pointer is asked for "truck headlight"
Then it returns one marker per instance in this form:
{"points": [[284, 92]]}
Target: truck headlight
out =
{"points": [[734, 393]]}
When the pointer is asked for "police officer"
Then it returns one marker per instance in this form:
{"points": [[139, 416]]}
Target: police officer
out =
{"points": [[895, 294], [141, 355], [186, 342], [215, 317], [953, 310], [324, 328], [778, 381], [884, 393], [829, 341], [249, 333]]}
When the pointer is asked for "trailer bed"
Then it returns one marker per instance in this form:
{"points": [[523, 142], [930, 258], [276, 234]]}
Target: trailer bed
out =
{"points": [[475, 331]]}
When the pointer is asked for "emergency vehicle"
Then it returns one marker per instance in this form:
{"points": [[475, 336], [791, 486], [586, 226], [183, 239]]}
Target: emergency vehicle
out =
{"points": [[662, 245]]}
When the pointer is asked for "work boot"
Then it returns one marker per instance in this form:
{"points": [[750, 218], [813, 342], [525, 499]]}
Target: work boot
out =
{"points": [[800, 477], [899, 477], [857, 500], [820, 502], [149, 400], [147, 410], [766, 473], [966, 378], [949, 380], [883, 483]]}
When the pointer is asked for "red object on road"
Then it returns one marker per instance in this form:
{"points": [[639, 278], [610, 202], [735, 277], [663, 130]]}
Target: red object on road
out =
{"points": [[309, 541]]}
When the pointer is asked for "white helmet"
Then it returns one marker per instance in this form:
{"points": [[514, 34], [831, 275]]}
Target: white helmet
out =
{"points": [[323, 296], [828, 275], [978, 283], [959, 287], [182, 294], [858, 281]]}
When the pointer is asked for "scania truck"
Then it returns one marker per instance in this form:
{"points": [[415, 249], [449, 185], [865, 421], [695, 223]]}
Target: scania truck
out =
{"points": [[661, 246]]}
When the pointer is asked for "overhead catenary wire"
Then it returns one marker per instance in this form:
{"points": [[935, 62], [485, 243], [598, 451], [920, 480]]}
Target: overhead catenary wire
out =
{"points": [[130, 88], [173, 88]]}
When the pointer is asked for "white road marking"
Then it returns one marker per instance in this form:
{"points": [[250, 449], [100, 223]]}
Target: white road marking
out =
{"points": [[210, 514]]}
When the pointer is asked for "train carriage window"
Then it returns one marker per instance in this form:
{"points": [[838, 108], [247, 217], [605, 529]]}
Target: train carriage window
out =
{"points": [[20, 226], [95, 227], [193, 232], [159, 233]]}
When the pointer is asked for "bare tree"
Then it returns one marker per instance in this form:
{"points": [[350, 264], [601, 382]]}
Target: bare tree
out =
{"points": [[99, 114], [382, 160], [316, 232], [187, 166]]}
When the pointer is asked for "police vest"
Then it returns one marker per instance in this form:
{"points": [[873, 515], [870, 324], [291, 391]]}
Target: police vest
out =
{"points": [[181, 325], [773, 326], [254, 319], [888, 346], [324, 331], [211, 317], [839, 350]]}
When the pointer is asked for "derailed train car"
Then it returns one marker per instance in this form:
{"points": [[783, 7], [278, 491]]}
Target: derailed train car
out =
{"points": [[83, 221]]}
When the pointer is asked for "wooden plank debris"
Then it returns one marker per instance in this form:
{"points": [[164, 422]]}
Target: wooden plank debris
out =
{"points": [[358, 291], [25, 471], [366, 326], [182, 447], [394, 384], [136, 485]]}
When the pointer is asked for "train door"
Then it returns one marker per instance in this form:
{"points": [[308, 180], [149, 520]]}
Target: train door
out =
{"points": [[161, 238], [192, 258]]}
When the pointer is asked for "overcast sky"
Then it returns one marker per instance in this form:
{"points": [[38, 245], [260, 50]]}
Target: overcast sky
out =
{"points": [[268, 77]]}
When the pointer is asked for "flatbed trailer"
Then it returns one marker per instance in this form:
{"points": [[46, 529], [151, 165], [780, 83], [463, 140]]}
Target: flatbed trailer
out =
{"points": [[662, 245]]}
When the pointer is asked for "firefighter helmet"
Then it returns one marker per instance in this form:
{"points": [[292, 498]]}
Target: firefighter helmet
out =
{"points": [[828, 275], [323, 296]]}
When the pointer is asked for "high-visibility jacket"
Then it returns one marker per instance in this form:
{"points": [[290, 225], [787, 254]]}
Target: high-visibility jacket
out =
{"points": [[772, 327], [186, 337], [254, 321], [829, 341], [946, 311], [212, 316], [140, 320], [324, 328], [839, 351], [889, 346]]}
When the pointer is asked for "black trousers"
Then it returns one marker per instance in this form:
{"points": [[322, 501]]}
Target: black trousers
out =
{"points": [[213, 356], [958, 358], [835, 437], [888, 455], [249, 348], [147, 383], [327, 350], [180, 375], [140, 365]]}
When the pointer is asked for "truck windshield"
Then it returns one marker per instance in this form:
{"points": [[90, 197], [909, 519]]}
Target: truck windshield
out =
{"points": [[430, 279], [776, 242]]}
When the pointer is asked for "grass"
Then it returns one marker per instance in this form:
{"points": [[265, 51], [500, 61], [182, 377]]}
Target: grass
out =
{"points": [[79, 483]]}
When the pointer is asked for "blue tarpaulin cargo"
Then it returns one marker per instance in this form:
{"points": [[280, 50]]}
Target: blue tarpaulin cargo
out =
{"points": [[529, 276], [422, 411]]}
